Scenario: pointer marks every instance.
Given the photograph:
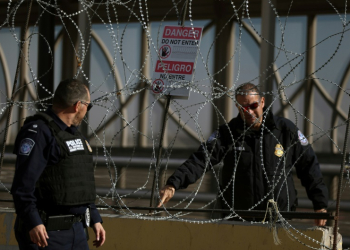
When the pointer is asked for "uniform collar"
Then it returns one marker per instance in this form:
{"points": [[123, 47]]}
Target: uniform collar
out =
{"points": [[72, 129]]}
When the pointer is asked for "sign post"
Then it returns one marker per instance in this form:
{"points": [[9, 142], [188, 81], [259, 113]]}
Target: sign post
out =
{"points": [[173, 73]]}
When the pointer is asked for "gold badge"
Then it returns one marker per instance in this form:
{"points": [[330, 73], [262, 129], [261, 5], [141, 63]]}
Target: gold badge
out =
{"points": [[88, 146], [278, 150]]}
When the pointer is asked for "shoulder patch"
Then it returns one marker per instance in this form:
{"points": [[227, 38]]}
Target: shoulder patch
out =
{"points": [[302, 139], [26, 146], [214, 136]]}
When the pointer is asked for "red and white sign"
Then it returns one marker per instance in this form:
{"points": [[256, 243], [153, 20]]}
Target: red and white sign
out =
{"points": [[176, 62], [182, 32], [173, 67]]}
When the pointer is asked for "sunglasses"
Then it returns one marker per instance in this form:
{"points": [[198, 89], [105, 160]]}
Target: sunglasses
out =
{"points": [[250, 106], [88, 105]]}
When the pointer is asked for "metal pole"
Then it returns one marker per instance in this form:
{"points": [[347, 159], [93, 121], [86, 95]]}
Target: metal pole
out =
{"points": [[224, 49], [340, 182], [15, 85], [152, 203], [45, 60], [310, 69], [268, 20], [145, 62], [184, 14], [160, 149]]}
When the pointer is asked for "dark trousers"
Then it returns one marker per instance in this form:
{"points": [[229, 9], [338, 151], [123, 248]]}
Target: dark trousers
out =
{"points": [[72, 239]]}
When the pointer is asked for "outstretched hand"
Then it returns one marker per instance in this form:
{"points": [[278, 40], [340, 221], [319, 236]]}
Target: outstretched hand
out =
{"points": [[166, 193], [320, 222]]}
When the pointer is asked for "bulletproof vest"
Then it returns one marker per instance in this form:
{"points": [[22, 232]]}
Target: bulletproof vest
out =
{"points": [[70, 181]]}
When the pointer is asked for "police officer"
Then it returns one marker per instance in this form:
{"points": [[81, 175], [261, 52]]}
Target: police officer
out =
{"points": [[54, 188], [258, 150]]}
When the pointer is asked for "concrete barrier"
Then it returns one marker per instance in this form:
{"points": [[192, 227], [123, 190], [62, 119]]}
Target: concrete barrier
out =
{"points": [[129, 233]]}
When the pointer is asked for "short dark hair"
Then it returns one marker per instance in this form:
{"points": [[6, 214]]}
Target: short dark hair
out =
{"points": [[246, 88], [69, 92]]}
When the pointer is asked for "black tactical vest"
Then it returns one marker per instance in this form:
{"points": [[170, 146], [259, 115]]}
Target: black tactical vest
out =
{"points": [[71, 181]]}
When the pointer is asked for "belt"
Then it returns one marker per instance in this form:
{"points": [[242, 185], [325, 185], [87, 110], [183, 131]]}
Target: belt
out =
{"points": [[60, 222]]}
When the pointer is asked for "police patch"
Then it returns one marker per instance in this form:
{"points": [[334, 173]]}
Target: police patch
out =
{"points": [[214, 136], [302, 138], [26, 146], [75, 145]]}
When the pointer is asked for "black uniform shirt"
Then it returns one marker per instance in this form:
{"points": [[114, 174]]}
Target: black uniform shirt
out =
{"points": [[36, 148], [259, 167]]}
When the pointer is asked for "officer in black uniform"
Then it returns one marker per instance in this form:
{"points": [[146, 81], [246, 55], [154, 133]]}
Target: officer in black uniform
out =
{"points": [[54, 187], [259, 151]]}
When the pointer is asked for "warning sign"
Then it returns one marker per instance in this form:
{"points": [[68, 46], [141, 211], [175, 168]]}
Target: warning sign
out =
{"points": [[182, 32], [157, 86], [174, 67], [177, 59], [165, 51]]}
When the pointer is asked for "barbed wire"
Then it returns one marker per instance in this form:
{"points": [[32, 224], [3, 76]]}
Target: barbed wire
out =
{"points": [[131, 82]]}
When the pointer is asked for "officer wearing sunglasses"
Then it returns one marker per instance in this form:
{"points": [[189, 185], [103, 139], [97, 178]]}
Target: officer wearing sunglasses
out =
{"points": [[258, 151], [54, 188]]}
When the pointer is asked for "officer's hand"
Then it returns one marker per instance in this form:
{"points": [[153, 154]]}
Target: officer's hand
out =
{"points": [[38, 235], [321, 222], [166, 193], [100, 234]]}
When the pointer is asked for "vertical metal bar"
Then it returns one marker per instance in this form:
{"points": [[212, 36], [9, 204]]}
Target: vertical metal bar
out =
{"points": [[69, 61], [45, 60], [165, 116], [144, 96], [340, 183], [22, 80], [224, 48], [84, 27], [310, 68], [184, 14], [266, 49], [14, 86]]}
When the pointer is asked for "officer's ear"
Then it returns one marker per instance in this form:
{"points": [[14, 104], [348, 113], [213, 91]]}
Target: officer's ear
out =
{"points": [[262, 102], [76, 106]]}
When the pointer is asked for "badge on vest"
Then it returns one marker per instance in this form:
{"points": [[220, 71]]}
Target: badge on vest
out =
{"points": [[214, 136], [26, 146], [88, 146], [278, 150], [75, 145], [302, 138]]}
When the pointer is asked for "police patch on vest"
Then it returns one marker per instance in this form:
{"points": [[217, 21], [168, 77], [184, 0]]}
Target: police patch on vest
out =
{"points": [[278, 150], [75, 145], [88, 146], [214, 136], [26, 146], [302, 138]]}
